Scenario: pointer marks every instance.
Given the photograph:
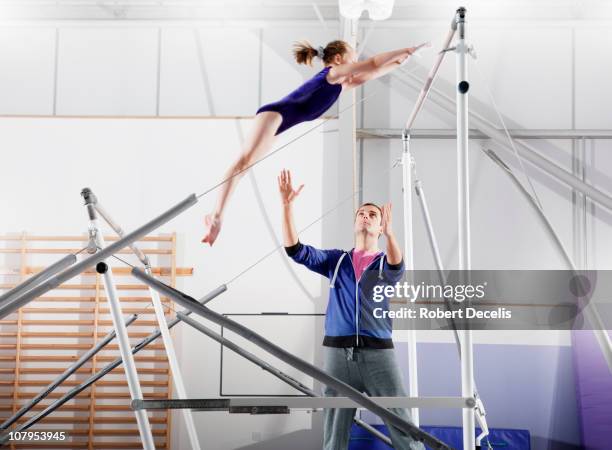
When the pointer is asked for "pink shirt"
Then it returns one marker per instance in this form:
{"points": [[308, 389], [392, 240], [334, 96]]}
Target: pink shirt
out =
{"points": [[361, 260]]}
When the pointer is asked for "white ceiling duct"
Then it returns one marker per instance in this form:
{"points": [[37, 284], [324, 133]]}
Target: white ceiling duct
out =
{"points": [[377, 9]]}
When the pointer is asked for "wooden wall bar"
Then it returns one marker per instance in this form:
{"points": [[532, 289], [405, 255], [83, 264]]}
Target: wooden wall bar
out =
{"points": [[40, 340]]}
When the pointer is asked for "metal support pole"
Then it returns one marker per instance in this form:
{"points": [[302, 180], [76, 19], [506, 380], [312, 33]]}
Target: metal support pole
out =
{"points": [[38, 278], [287, 357], [111, 223], [413, 380], [272, 370], [347, 122], [161, 320], [65, 375], [131, 374], [479, 409], [77, 268], [174, 364], [105, 370], [144, 427], [420, 193], [463, 208]]}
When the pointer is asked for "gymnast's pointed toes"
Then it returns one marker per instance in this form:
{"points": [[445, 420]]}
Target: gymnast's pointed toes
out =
{"points": [[212, 227], [208, 240]]}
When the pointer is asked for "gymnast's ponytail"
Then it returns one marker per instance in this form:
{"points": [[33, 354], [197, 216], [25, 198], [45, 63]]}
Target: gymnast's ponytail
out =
{"points": [[304, 52]]}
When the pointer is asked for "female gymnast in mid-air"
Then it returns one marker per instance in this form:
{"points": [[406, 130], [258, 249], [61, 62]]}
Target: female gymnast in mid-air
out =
{"points": [[342, 72]]}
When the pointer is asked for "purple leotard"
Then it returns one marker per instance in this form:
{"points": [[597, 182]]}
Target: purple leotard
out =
{"points": [[307, 102]]}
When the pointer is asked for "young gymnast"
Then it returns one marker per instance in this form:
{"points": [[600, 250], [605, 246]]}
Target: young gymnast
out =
{"points": [[341, 72]]}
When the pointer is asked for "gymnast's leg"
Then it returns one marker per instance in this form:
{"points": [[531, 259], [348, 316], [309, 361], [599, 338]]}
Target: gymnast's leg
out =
{"points": [[257, 145]]}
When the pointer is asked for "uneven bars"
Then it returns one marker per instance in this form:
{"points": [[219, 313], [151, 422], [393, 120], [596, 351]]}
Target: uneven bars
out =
{"points": [[305, 367], [272, 370]]}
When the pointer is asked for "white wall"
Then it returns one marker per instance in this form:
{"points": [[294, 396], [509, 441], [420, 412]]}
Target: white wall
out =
{"points": [[139, 167]]}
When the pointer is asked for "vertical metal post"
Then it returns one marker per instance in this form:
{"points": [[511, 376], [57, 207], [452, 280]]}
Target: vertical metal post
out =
{"points": [[158, 74], [407, 165], [163, 326], [463, 208], [55, 71], [413, 380], [144, 427], [348, 120], [174, 365]]}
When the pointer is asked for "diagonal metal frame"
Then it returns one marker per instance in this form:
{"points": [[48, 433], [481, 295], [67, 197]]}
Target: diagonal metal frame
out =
{"points": [[305, 367], [129, 365], [76, 269], [161, 320], [38, 278], [104, 371], [64, 375], [272, 370], [590, 310]]}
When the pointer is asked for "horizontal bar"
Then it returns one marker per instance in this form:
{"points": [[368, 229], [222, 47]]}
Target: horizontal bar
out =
{"points": [[396, 133], [285, 356], [117, 271], [270, 369], [38, 278], [76, 269], [53, 251], [88, 287], [309, 403], [83, 238]]}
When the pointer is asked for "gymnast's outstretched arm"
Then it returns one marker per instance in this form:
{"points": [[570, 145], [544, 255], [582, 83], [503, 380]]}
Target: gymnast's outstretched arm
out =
{"points": [[375, 67], [370, 68]]}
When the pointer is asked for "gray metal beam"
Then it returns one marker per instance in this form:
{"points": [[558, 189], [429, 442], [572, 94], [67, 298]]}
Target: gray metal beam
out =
{"points": [[245, 404], [396, 133], [38, 278]]}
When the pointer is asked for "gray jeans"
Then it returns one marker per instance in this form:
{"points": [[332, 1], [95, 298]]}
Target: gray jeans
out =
{"points": [[373, 371]]}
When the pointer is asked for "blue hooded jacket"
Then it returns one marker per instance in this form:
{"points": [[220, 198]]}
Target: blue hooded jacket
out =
{"points": [[349, 319]]}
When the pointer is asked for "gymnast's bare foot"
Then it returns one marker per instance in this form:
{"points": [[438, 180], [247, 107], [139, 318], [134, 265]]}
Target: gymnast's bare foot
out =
{"points": [[212, 227]]}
